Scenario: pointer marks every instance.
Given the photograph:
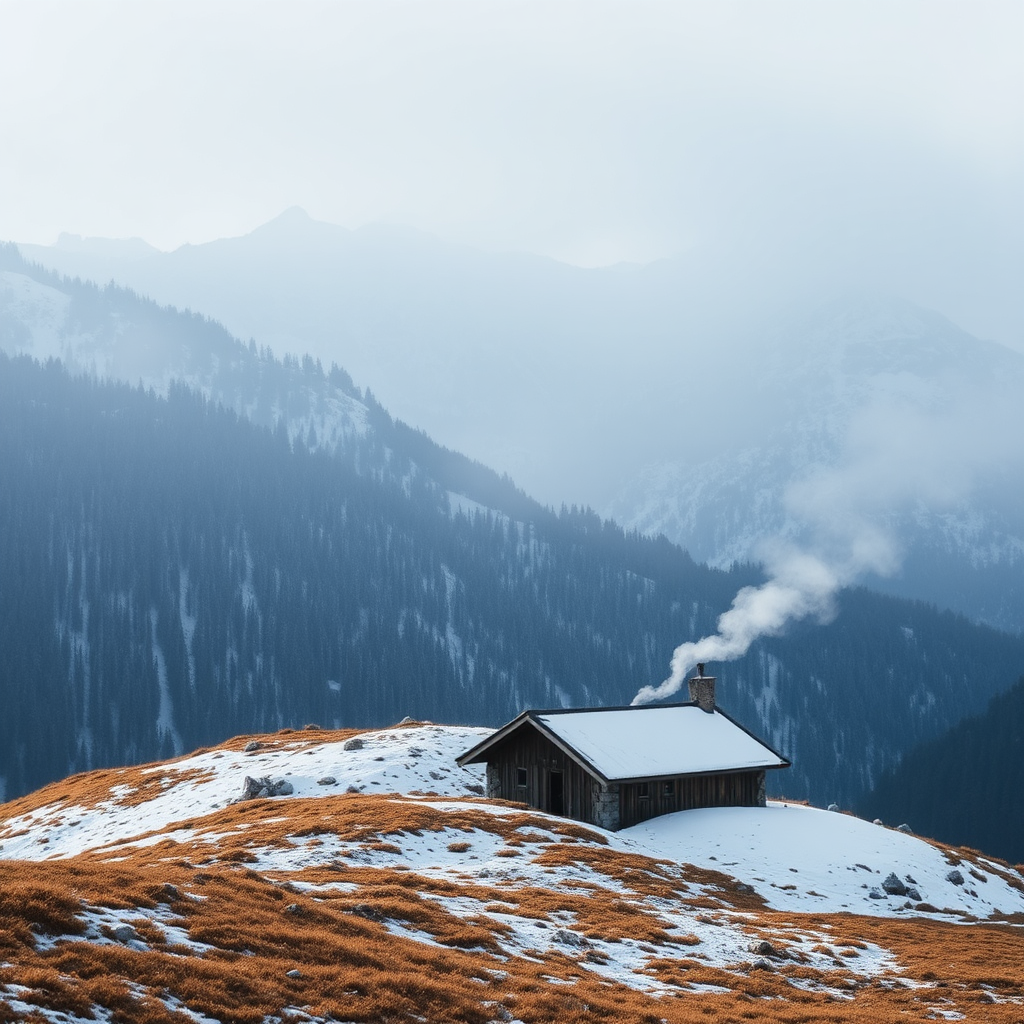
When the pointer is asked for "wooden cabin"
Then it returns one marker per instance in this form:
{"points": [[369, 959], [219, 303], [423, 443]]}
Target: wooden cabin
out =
{"points": [[615, 767]]}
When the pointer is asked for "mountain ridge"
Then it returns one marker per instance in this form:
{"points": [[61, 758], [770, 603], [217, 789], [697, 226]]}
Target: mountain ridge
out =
{"points": [[521, 364]]}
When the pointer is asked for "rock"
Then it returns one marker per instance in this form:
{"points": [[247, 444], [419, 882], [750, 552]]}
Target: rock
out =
{"points": [[905, 828], [251, 746], [878, 821], [294, 972], [407, 721], [261, 788], [874, 894], [913, 894], [352, 789], [475, 787], [568, 938], [356, 743], [251, 788], [171, 891], [742, 887], [761, 965], [833, 807], [365, 910], [955, 877], [293, 908], [764, 948], [327, 780], [125, 933], [312, 726], [893, 885], [911, 879]]}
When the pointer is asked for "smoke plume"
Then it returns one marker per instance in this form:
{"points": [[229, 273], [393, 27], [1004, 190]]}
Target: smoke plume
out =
{"points": [[801, 584], [898, 461]]}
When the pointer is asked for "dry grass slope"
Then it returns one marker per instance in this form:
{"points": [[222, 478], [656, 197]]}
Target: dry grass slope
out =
{"points": [[277, 906]]}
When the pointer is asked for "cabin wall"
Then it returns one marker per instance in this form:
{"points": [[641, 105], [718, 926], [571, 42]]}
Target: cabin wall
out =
{"points": [[528, 768], [640, 801], [554, 782]]}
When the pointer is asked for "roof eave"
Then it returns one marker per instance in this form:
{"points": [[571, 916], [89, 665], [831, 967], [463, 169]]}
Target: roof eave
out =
{"points": [[625, 779], [476, 754]]}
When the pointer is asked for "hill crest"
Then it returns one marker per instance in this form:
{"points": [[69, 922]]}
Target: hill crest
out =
{"points": [[396, 890]]}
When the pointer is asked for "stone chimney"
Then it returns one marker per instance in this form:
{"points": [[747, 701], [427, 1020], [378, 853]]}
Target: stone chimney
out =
{"points": [[702, 690]]}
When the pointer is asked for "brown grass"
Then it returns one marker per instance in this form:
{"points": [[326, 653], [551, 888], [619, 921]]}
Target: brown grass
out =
{"points": [[359, 952]]}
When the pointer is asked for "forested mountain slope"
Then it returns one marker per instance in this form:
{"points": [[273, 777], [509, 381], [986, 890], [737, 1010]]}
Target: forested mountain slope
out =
{"points": [[671, 397], [965, 786], [171, 574]]}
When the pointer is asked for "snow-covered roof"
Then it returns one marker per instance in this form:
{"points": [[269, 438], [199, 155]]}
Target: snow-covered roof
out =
{"points": [[644, 742]]}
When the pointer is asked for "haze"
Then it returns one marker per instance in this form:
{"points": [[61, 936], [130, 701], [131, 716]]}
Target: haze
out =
{"points": [[796, 145]]}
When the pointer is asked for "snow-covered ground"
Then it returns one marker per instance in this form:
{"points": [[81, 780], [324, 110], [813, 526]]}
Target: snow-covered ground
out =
{"points": [[683, 889], [805, 859], [797, 858], [420, 759]]}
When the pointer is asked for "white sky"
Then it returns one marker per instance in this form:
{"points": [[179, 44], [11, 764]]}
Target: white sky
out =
{"points": [[884, 139]]}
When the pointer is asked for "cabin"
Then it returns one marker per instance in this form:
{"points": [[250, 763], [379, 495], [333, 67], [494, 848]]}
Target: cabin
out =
{"points": [[616, 767]]}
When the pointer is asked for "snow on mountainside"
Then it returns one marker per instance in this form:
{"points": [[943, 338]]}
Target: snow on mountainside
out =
{"points": [[383, 886], [871, 409], [111, 333]]}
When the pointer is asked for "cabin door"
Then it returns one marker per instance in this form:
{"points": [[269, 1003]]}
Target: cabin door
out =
{"points": [[556, 801]]}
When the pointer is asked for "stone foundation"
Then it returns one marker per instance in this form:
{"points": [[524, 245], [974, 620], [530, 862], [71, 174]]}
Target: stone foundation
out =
{"points": [[606, 806]]}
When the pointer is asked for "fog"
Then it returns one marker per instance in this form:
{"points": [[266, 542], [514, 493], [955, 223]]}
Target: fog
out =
{"points": [[925, 457], [575, 238], [875, 145]]}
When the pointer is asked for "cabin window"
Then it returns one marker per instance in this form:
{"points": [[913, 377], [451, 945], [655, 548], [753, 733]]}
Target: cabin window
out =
{"points": [[521, 778], [643, 790], [668, 788]]}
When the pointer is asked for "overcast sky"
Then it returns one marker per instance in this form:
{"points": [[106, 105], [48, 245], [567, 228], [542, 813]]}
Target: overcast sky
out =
{"points": [[876, 144]]}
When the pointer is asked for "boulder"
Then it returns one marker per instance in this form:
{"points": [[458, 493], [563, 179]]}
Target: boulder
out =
{"points": [[568, 938], [893, 885], [355, 743], [253, 789], [905, 828], [955, 877], [327, 780]]}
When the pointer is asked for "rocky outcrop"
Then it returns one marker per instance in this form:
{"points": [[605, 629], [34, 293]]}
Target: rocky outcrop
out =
{"points": [[256, 789]]}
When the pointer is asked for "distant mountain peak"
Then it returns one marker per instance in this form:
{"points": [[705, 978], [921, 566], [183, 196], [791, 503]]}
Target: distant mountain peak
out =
{"points": [[128, 248]]}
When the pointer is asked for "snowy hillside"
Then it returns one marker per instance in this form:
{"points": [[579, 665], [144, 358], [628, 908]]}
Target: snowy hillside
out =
{"points": [[380, 883]]}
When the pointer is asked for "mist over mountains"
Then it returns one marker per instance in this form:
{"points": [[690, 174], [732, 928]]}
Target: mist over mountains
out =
{"points": [[655, 394], [265, 546]]}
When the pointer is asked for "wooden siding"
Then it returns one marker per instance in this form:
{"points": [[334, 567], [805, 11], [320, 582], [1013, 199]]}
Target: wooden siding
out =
{"points": [[527, 755], [528, 749], [684, 792]]}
